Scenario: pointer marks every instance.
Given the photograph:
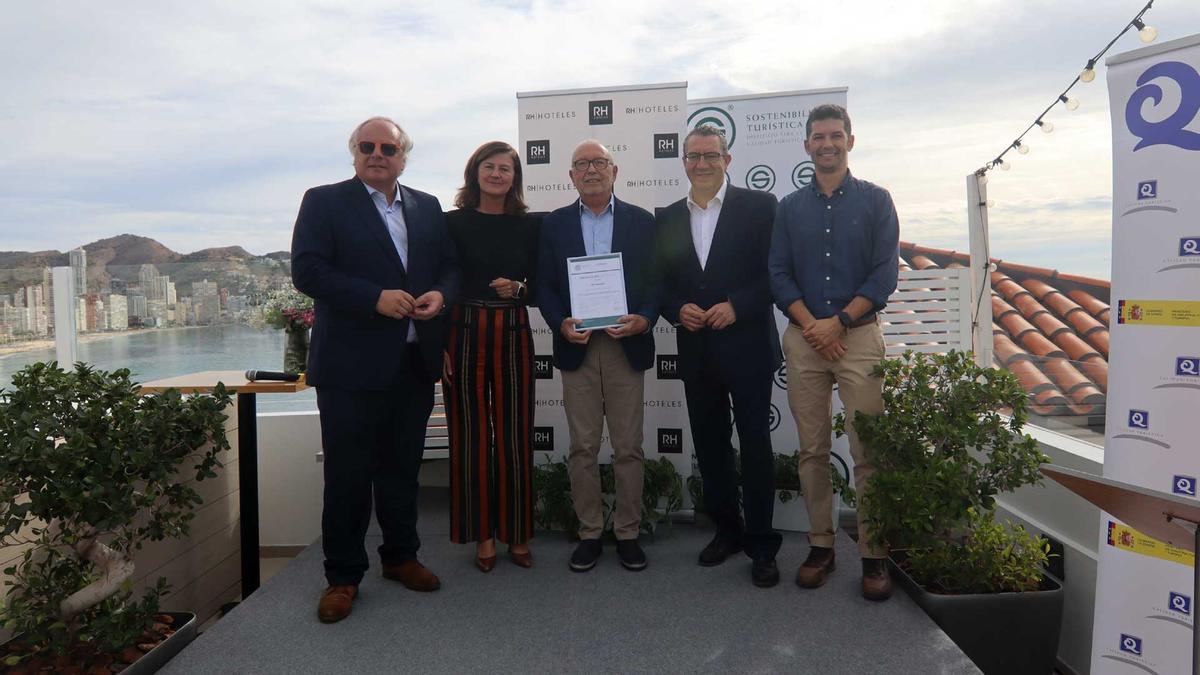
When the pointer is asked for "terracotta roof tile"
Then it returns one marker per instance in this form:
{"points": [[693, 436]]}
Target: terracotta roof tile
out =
{"points": [[1076, 348], [1090, 303], [1037, 343], [923, 263], [1016, 325], [1073, 383], [1050, 326], [1097, 369], [1029, 305], [1050, 329]]}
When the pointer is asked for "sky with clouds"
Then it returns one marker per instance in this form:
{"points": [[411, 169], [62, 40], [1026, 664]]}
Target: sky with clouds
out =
{"points": [[202, 123]]}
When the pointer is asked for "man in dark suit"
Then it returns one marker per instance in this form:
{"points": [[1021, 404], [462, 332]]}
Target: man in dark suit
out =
{"points": [[712, 249], [603, 371], [378, 261]]}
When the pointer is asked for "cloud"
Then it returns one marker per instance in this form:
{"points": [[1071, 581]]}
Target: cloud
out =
{"points": [[202, 123]]}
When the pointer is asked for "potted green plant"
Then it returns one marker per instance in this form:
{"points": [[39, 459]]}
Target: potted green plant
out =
{"points": [[90, 471], [662, 495], [949, 440]]}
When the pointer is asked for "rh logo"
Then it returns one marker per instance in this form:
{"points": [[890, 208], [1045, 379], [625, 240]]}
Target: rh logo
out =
{"points": [[667, 366], [600, 112], [666, 145], [543, 368], [670, 441], [537, 152], [543, 439]]}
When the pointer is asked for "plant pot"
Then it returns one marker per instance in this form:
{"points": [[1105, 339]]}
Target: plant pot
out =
{"points": [[295, 350], [1001, 632], [150, 662], [792, 515]]}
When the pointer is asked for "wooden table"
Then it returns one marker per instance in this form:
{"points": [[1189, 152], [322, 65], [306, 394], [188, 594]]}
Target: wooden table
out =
{"points": [[247, 437]]}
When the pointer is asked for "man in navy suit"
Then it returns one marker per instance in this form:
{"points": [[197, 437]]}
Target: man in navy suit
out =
{"points": [[603, 371], [376, 258], [712, 249]]}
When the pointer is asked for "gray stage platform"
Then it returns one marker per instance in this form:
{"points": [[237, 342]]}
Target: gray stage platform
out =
{"points": [[673, 617]]}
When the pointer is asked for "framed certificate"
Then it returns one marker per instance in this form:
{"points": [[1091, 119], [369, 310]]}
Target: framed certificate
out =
{"points": [[597, 284]]}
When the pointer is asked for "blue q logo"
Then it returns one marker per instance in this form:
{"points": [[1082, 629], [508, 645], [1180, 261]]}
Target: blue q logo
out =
{"points": [[1139, 419], [1187, 365], [1172, 130], [1189, 246], [1131, 644], [1180, 603], [1184, 485], [1148, 189]]}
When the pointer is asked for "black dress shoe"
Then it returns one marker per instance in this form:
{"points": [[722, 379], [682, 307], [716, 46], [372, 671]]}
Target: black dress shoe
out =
{"points": [[764, 573], [585, 555], [718, 550], [631, 555]]}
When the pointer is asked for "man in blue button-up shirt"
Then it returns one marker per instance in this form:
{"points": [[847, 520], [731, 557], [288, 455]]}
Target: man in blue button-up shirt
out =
{"points": [[833, 264]]}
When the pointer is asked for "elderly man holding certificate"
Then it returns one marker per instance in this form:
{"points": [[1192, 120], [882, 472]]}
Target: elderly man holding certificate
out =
{"points": [[596, 288]]}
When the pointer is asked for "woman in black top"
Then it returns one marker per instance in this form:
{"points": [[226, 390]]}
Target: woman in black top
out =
{"points": [[488, 383]]}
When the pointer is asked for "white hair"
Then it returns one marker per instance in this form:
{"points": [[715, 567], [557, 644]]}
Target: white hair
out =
{"points": [[402, 138], [592, 141]]}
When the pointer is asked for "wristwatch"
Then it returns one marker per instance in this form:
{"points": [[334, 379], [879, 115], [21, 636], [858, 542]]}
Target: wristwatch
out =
{"points": [[845, 319]]}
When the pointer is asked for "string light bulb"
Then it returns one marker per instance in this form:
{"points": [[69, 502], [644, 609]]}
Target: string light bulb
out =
{"points": [[1070, 102], [1089, 73], [1046, 126], [1021, 147], [983, 179], [1005, 165], [1148, 34]]}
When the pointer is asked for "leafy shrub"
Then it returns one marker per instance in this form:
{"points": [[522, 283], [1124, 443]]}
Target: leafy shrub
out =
{"points": [[943, 450]]}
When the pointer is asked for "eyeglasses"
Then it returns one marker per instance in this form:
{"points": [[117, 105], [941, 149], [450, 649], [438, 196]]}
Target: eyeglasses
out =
{"points": [[710, 157], [601, 163], [388, 149]]}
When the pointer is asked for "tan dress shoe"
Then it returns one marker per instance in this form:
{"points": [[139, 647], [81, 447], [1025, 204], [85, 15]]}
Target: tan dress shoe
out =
{"points": [[413, 575], [335, 603], [819, 564], [876, 581]]}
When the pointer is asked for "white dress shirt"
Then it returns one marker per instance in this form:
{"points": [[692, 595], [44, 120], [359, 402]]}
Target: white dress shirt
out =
{"points": [[704, 223], [393, 216]]}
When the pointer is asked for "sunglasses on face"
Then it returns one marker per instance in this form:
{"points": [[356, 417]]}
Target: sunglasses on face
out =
{"points": [[388, 149]]}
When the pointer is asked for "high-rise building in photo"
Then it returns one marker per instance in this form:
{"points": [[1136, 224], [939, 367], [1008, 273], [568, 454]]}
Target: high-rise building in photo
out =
{"points": [[78, 259]]}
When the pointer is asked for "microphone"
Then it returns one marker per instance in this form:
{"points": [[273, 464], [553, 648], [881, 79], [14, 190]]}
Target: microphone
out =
{"points": [[256, 375]]}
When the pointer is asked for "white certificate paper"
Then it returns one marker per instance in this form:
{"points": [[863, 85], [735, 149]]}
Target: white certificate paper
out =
{"points": [[597, 290]]}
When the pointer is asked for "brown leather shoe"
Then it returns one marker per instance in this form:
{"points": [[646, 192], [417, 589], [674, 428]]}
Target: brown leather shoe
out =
{"points": [[485, 565], [818, 565], [413, 575], [521, 559], [335, 603], [876, 581]]}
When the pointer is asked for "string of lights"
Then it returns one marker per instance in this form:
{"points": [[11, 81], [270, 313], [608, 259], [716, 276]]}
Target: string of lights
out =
{"points": [[1147, 33]]}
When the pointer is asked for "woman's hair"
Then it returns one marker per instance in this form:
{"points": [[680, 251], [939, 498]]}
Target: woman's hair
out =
{"points": [[468, 195]]}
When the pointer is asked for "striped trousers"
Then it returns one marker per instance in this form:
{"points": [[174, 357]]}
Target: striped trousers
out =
{"points": [[489, 414]]}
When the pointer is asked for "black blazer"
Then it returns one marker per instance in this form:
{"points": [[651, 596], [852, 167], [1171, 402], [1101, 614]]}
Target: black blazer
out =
{"points": [[633, 236], [736, 271], [343, 257]]}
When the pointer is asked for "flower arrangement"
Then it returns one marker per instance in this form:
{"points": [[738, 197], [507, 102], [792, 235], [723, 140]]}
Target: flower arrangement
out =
{"points": [[288, 310]]}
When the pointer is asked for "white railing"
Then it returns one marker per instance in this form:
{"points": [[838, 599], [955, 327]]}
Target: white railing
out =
{"points": [[929, 312]]}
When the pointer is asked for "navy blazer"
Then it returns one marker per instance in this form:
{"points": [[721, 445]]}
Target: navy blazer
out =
{"points": [[633, 237], [343, 258], [736, 271]]}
